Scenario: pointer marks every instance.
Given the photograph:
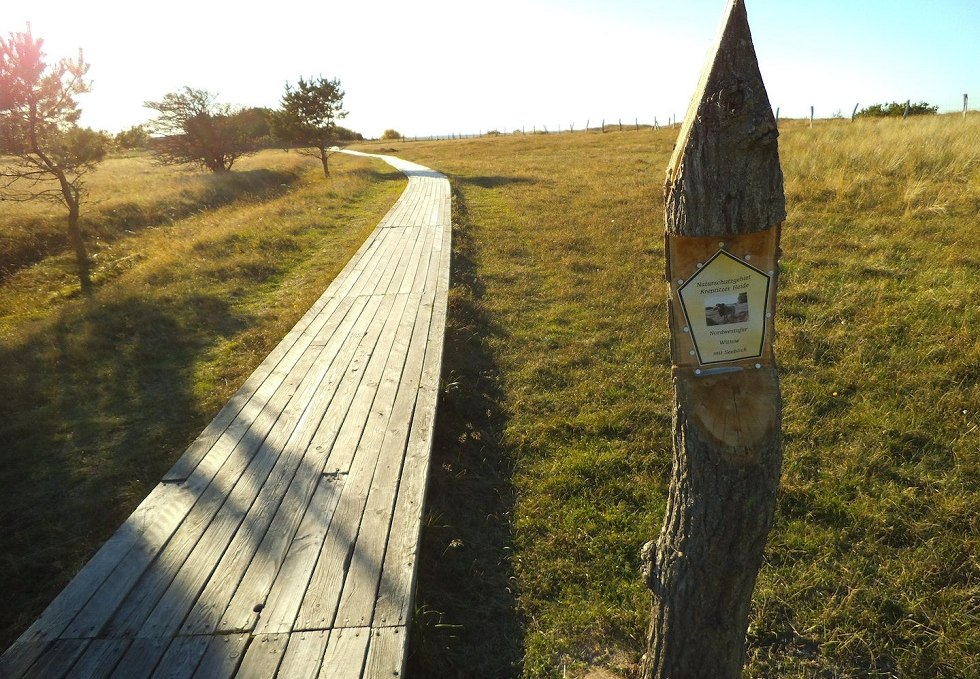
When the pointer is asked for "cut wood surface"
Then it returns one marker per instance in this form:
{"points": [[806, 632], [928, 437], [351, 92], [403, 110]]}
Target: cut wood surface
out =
{"points": [[284, 539]]}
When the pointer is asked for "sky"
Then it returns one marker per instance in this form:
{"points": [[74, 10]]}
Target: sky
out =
{"points": [[437, 67]]}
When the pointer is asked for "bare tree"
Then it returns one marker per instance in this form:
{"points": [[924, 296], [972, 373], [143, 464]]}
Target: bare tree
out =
{"points": [[49, 153], [193, 128]]}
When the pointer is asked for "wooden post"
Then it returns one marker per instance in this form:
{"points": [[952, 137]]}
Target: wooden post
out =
{"points": [[908, 105], [620, 124], [855, 111], [724, 208], [811, 117], [966, 102], [603, 124]]}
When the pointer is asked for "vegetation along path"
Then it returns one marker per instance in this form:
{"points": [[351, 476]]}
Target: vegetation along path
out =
{"points": [[285, 538]]}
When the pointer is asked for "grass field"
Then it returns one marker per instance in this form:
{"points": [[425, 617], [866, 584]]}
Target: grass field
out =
{"points": [[553, 445], [99, 396], [555, 422]]}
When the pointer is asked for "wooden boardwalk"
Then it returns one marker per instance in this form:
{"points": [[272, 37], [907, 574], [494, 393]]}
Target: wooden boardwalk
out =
{"points": [[283, 542]]}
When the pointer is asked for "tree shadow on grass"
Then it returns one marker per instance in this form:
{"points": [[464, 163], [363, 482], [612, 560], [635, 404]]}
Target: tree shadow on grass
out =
{"points": [[466, 621], [94, 407], [493, 182]]}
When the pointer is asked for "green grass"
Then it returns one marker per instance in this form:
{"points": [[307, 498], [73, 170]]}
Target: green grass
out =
{"points": [[555, 419], [552, 450], [100, 395]]}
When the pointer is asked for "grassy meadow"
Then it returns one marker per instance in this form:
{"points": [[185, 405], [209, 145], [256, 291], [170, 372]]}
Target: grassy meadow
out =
{"points": [[198, 277], [553, 450]]}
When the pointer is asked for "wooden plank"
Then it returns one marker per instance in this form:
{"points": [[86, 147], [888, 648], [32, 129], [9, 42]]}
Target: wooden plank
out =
{"points": [[58, 659], [182, 658], [255, 419], [344, 371], [251, 505], [387, 653], [421, 263], [222, 657], [360, 589], [324, 589], [141, 658], [289, 584], [278, 363], [345, 654], [238, 477], [263, 657], [304, 655], [242, 609], [397, 586], [100, 658]]}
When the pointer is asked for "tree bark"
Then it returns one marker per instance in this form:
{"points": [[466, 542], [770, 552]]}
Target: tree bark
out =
{"points": [[724, 180], [78, 244], [324, 154]]}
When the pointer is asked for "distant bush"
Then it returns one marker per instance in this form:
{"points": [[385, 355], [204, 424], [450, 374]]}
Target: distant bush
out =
{"points": [[895, 109], [391, 134], [135, 137]]}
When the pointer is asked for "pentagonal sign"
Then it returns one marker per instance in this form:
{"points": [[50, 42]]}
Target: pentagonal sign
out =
{"points": [[725, 304]]}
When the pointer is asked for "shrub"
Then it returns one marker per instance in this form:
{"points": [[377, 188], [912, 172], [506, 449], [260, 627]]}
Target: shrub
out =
{"points": [[391, 135], [896, 109]]}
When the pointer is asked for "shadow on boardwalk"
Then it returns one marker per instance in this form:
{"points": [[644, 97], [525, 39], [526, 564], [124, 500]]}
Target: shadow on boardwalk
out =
{"points": [[466, 622]]}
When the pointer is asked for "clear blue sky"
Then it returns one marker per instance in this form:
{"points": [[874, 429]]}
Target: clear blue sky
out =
{"points": [[441, 66]]}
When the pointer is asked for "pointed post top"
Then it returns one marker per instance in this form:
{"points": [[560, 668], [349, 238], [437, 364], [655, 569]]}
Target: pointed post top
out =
{"points": [[724, 175]]}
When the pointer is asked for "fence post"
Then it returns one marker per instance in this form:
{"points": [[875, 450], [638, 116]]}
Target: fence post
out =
{"points": [[855, 111], [811, 117], [723, 231], [966, 102], [620, 124], [603, 124]]}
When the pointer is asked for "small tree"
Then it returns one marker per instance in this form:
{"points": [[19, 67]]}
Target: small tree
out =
{"points": [[135, 137], [391, 135], [192, 128], [308, 117], [38, 129]]}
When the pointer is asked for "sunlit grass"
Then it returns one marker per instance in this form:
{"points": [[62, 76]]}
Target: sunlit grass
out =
{"points": [[559, 326]]}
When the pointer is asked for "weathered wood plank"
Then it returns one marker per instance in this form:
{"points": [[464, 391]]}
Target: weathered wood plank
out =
{"points": [[303, 655], [141, 658], [356, 607], [345, 654], [100, 658], [58, 659], [344, 372], [247, 514], [181, 658], [263, 657], [222, 657], [319, 605], [397, 586], [242, 608], [387, 653]]}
